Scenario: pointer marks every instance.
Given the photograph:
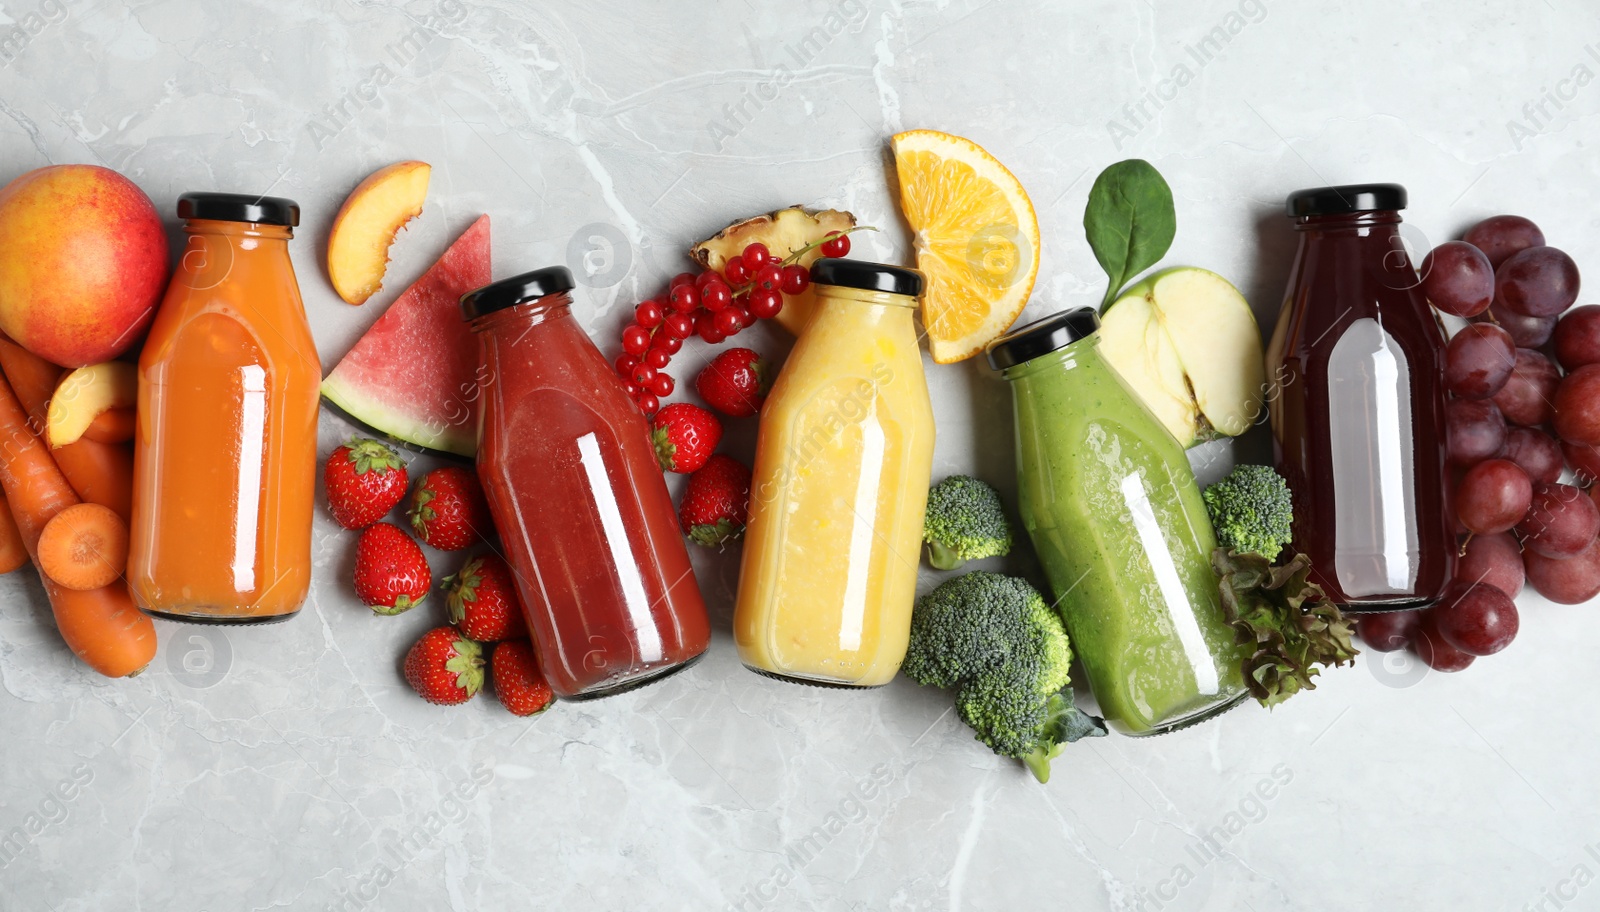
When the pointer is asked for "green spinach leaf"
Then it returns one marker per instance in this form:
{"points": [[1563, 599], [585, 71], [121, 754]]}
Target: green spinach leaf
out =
{"points": [[1130, 221]]}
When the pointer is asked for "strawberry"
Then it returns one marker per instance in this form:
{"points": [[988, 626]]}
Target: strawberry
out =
{"points": [[365, 479], [445, 667], [735, 383], [684, 436], [482, 600], [716, 502], [517, 681], [448, 510], [391, 574]]}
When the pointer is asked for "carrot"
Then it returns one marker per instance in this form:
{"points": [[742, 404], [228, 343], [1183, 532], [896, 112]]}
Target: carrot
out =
{"points": [[13, 553], [32, 378], [100, 473], [114, 425], [102, 626], [84, 547]]}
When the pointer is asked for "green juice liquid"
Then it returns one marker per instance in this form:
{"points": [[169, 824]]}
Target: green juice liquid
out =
{"points": [[1107, 495]]}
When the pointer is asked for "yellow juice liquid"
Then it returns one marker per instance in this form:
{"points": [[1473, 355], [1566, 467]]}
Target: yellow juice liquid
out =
{"points": [[840, 485]]}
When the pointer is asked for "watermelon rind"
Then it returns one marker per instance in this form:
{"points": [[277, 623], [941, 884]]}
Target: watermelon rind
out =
{"points": [[412, 434]]}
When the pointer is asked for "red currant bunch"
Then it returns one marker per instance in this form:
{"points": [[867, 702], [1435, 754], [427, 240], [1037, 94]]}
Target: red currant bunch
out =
{"points": [[713, 306]]}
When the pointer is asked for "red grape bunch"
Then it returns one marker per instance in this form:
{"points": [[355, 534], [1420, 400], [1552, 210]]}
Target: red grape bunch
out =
{"points": [[1524, 381], [715, 306]]}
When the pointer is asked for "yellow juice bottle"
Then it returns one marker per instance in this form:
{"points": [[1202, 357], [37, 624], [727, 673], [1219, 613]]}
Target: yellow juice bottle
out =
{"points": [[840, 484]]}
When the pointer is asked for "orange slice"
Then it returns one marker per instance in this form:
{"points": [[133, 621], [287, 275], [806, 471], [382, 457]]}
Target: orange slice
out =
{"points": [[976, 239]]}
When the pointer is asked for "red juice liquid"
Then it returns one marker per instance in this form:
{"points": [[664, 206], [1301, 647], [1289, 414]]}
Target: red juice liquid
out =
{"points": [[1358, 407], [581, 506]]}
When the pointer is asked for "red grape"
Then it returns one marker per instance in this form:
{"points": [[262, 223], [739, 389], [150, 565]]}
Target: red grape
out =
{"points": [[1458, 279], [1566, 581], [1492, 560], [1561, 521], [1535, 451], [1585, 461], [1430, 646], [1526, 331], [1478, 361], [1478, 620], [837, 245], [1474, 430], [1503, 235], [1529, 394], [1539, 282], [1577, 337], [1577, 406], [1388, 631], [1493, 496]]}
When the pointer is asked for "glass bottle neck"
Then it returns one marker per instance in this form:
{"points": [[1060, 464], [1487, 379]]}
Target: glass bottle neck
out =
{"points": [[1066, 358], [1378, 224], [526, 314], [238, 229], [862, 296]]}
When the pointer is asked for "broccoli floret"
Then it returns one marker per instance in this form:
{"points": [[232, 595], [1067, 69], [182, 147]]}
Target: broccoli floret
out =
{"points": [[965, 521], [1252, 511], [994, 638]]}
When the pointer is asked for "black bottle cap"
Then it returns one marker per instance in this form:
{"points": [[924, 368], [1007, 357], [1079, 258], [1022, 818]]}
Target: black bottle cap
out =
{"points": [[1346, 199], [240, 207], [1043, 336], [867, 276], [516, 290]]}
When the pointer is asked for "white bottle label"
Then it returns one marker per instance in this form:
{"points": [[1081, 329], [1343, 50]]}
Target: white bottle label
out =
{"points": [[1376, 548]]}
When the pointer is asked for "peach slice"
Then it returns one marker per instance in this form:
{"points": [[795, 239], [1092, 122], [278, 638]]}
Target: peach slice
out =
{"points": [[373, 213], [84, 394]]}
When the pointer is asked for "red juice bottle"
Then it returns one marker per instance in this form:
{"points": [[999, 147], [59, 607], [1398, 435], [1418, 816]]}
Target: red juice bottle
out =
{"points": [[1358, 404], [578, 498]]}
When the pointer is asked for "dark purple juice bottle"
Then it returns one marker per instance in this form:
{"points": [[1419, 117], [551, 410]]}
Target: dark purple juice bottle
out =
{"points": [[1358, 409]]}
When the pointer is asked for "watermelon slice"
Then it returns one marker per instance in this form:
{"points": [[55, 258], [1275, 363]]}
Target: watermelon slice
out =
{"points": [[411, 377]]}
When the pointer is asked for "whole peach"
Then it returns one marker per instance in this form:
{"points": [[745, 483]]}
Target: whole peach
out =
{"points": [[83, 262]]}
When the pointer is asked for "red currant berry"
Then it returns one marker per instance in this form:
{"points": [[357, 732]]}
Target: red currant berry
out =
{"points": [[625, 364], [716, 297], [737, 274], [648, 314], [635, 339], [769, 277], [706, 326], [685, 298], [775, 260], [727, 320], [746, 318], [662, 385], [631, 387], [755, 256], [706, 278], [642, 375], [665, 341], [678, 325], [795, 279], [837, 245], [765, 304], [658, 357], [648, 403], [682, 278]]}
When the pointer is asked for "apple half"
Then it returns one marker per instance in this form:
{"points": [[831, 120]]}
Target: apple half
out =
{"points": [[373, 213], [1187, 343]]}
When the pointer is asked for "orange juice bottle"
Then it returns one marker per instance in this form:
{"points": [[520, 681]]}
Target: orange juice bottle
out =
{"points": [[225, 449]]}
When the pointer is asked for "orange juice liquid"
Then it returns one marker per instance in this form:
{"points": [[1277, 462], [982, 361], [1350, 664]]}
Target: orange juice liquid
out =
{"points": [[225, 448]]}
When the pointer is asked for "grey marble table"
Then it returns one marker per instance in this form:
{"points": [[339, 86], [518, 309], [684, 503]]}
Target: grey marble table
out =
{"points": [[290, 768]]}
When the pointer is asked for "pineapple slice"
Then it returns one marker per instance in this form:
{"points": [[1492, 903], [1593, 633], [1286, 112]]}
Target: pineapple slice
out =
{"points": [[783, 231]]}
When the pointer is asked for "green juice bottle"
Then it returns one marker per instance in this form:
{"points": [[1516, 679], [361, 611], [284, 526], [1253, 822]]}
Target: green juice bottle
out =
{"points": [[1107, 495]]}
